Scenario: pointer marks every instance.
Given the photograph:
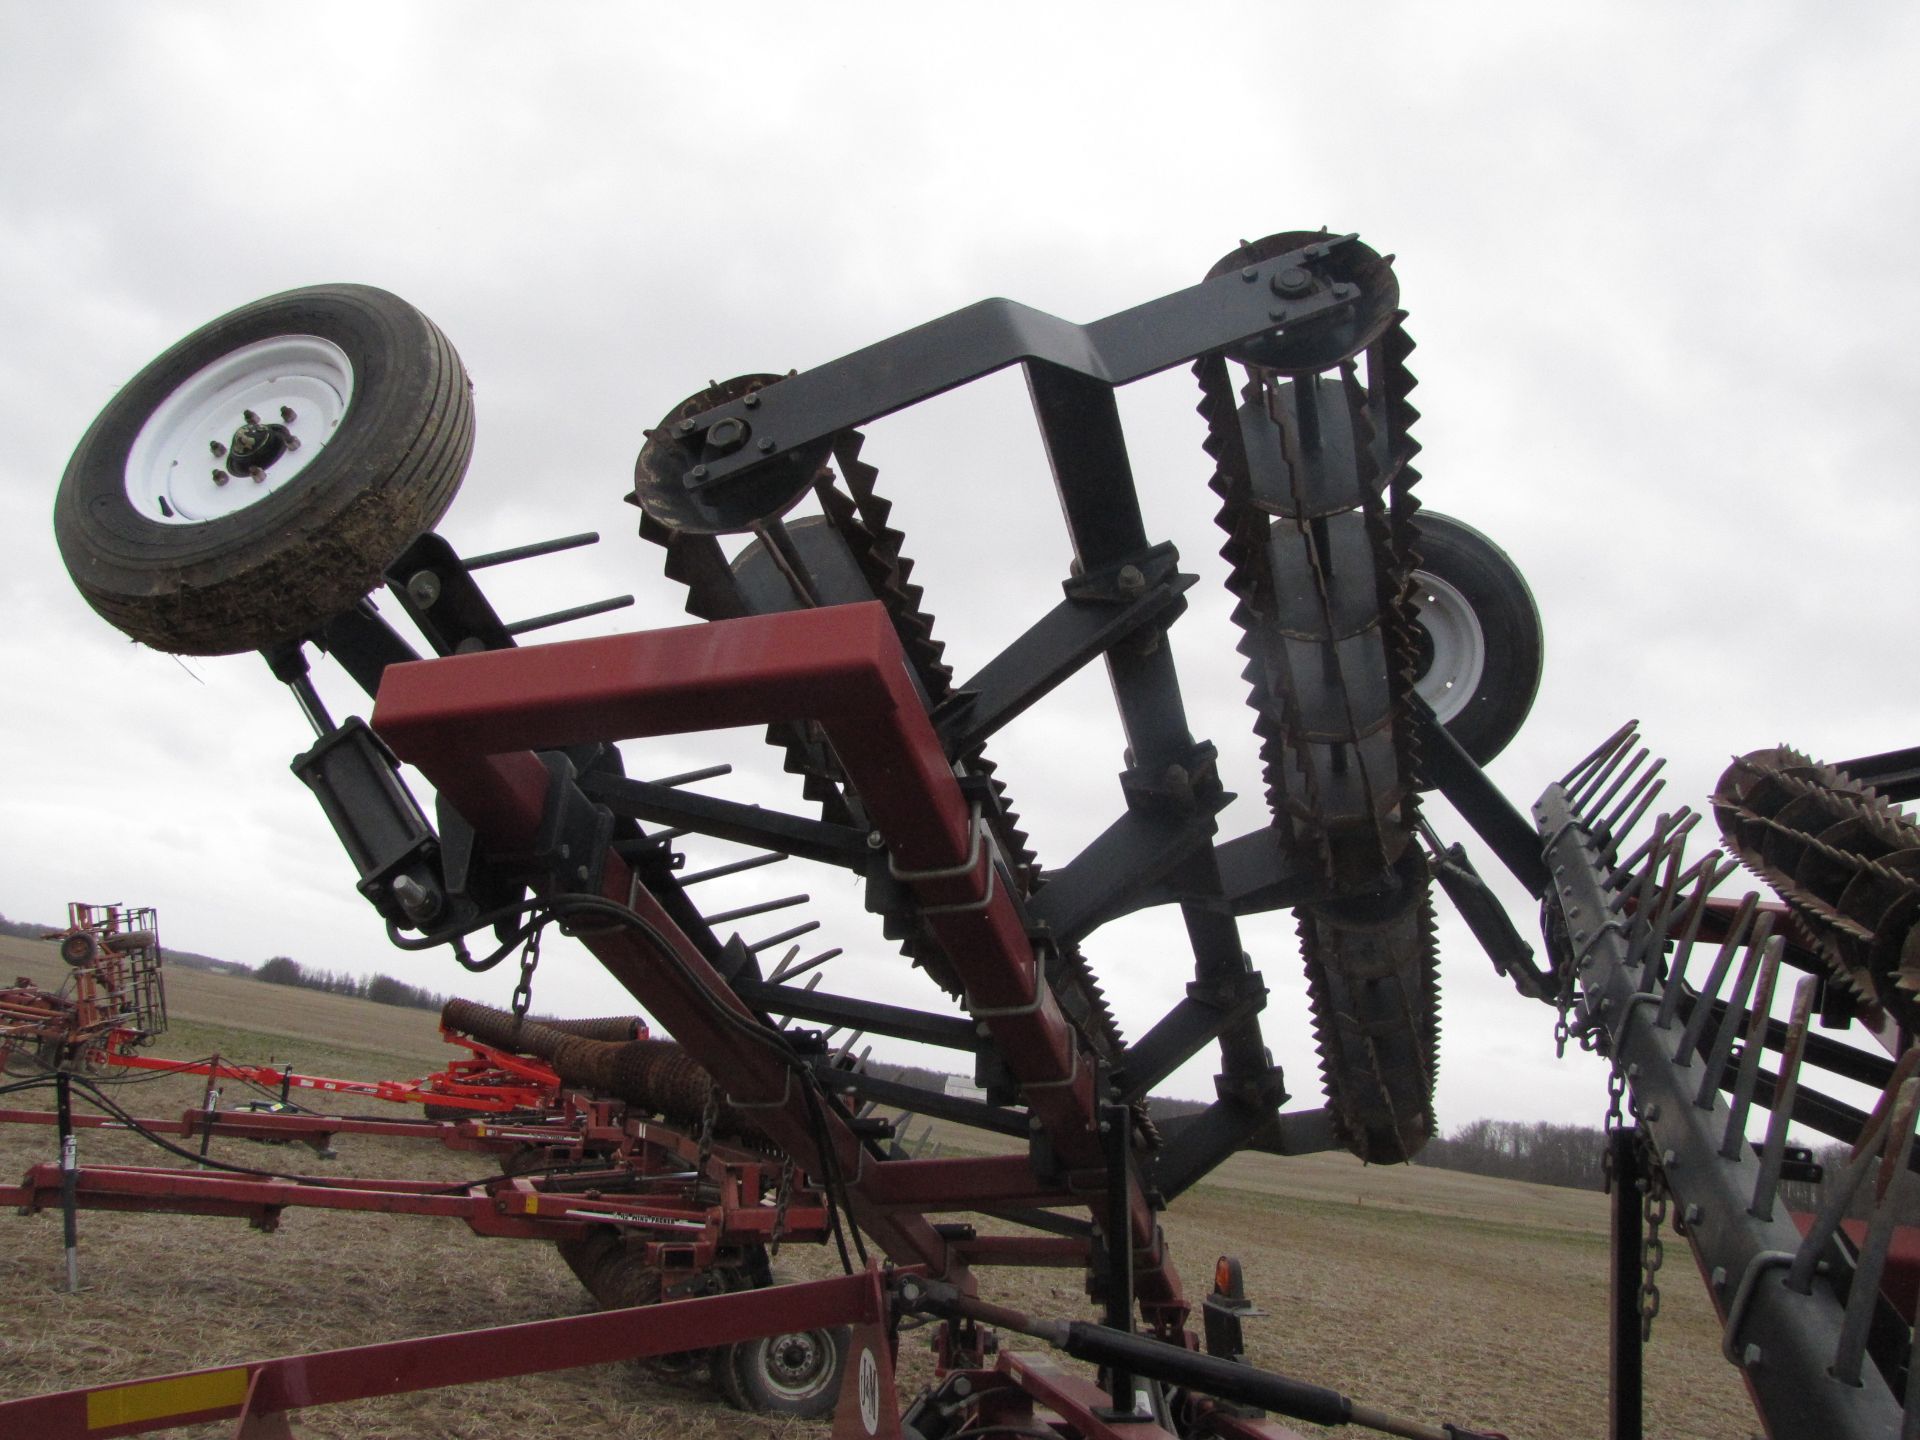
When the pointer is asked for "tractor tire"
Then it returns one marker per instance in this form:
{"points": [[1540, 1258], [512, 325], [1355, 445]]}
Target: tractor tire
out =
{"points": [[257, 479], [796, 1374]]}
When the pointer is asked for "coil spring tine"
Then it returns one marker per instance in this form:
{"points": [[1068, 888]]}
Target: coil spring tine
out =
{"points": [[1730, 1018], [785, 935], [1710, 875], [1773, 1152], [1840, 1195], [1754, 1045], [1703, 997], [1889, 1189], [1597, 756]]}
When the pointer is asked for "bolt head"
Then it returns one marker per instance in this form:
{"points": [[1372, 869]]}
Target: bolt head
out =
{"points": [[1250, 274], [1750, 1356], [1292, 282], [727, 434], [685, 427], [699, 472], [766, 444]]}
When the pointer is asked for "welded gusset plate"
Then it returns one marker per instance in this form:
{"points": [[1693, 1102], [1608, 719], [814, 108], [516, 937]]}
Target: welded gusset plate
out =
{"points": [[675, 481]]}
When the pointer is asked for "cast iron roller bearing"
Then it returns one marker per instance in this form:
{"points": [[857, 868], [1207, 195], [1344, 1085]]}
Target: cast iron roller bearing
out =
{"points": [[257, 479], [1478, 629]]}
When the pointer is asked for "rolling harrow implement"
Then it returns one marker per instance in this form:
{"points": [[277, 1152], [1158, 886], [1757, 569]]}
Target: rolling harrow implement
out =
{"points": [[1386, 651]]}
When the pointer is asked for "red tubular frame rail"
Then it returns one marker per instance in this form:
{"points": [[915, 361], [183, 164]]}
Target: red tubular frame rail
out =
{"points": [[471, 723]]}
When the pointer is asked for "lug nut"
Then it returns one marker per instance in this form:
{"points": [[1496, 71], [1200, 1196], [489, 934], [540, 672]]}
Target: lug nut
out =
{"points": [[220, 477], [250, 417], [219, 450], [286, 414]]}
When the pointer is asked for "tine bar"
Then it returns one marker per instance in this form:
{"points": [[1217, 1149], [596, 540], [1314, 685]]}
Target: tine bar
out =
{"points": [[528, 552], [575, 612]]}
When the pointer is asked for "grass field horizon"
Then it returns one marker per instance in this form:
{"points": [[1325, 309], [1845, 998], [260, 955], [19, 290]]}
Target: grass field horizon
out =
{"points": [[1446, 1296]]}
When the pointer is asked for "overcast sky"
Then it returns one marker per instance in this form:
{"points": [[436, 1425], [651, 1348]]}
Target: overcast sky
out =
{"points": [[1658, 260]]}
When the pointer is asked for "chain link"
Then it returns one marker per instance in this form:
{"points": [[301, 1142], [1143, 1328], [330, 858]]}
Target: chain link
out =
{"points": [[709, 1117], [1616, 1092], [529, 959], [1653, 1252]]}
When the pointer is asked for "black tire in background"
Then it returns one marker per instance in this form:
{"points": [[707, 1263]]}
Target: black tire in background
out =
{"points": [[307, 551], [1509, 623]]}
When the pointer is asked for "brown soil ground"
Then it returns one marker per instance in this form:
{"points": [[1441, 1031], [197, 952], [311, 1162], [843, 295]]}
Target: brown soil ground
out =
{"points": [[1444, 1296]]}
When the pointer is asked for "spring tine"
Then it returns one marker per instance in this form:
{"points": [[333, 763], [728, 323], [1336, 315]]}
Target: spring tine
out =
{"points": [[1753, 1047], [866, 1109], [1730, 1018], [1710, 875], [1597, 756], [783, 937], [1839, 1195], [752, 862], [785, 902], [1773, 1152], [1616, 751], [780, 970], [1654, 935], [786, 973], [847, 1049], [1610, 827], [688, 777], [1626, 773], [574, 612], [1656, 841], [528, 552], [1703, 997], [1889, 1188], [667, 837]]}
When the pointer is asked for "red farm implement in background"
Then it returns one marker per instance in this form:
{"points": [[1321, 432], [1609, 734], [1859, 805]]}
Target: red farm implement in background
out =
{"points": [[299, 452], [111, 1000]]}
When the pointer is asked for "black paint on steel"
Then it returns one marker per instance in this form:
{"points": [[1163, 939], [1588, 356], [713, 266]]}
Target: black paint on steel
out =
{"points": [[69, 1171], [1199, 1018], [873, 1016], [931, 1103], [1100, 883], [1895, 774], [795, 835], [365, 645], [1455, 774], [1624, 1372], [432, 585]]}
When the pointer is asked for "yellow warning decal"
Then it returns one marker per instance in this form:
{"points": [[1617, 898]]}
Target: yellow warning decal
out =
{"points": [[532, 1204], [158, 1399]]}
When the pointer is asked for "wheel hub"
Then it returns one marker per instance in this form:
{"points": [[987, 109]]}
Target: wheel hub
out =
{"points": [[255, 447], [793, 1359]]}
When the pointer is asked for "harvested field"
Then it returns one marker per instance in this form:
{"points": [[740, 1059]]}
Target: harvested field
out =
{"points": [[1447, 1296]]}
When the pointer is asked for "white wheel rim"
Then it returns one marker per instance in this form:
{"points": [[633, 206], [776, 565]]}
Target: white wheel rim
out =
{"points": [[1459, 646], [297, 386], [797, 1364]]}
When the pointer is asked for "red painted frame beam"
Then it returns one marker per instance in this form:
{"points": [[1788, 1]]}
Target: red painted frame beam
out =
{"points": [[470, 722], [364, 1372]]}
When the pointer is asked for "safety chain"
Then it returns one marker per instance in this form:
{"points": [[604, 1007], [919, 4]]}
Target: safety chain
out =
{"points": [[529, 958], [1653, 1252], [709, 1117], [780, 1204], [1563, 1002], [1616, 1092]]}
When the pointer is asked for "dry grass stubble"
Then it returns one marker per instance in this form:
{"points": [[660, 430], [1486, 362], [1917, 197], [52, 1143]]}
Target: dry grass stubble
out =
{"points": [[1447, 1297]]}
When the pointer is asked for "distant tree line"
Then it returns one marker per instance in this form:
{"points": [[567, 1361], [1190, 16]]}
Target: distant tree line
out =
{"points": [[1537, 1152], [381, 989]]}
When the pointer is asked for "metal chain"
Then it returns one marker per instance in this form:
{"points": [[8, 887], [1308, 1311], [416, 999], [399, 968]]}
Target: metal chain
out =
{"points": [[529, 958], [709, 1117], [1654, 1211], [780, 1204], [1616, 1092]]}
